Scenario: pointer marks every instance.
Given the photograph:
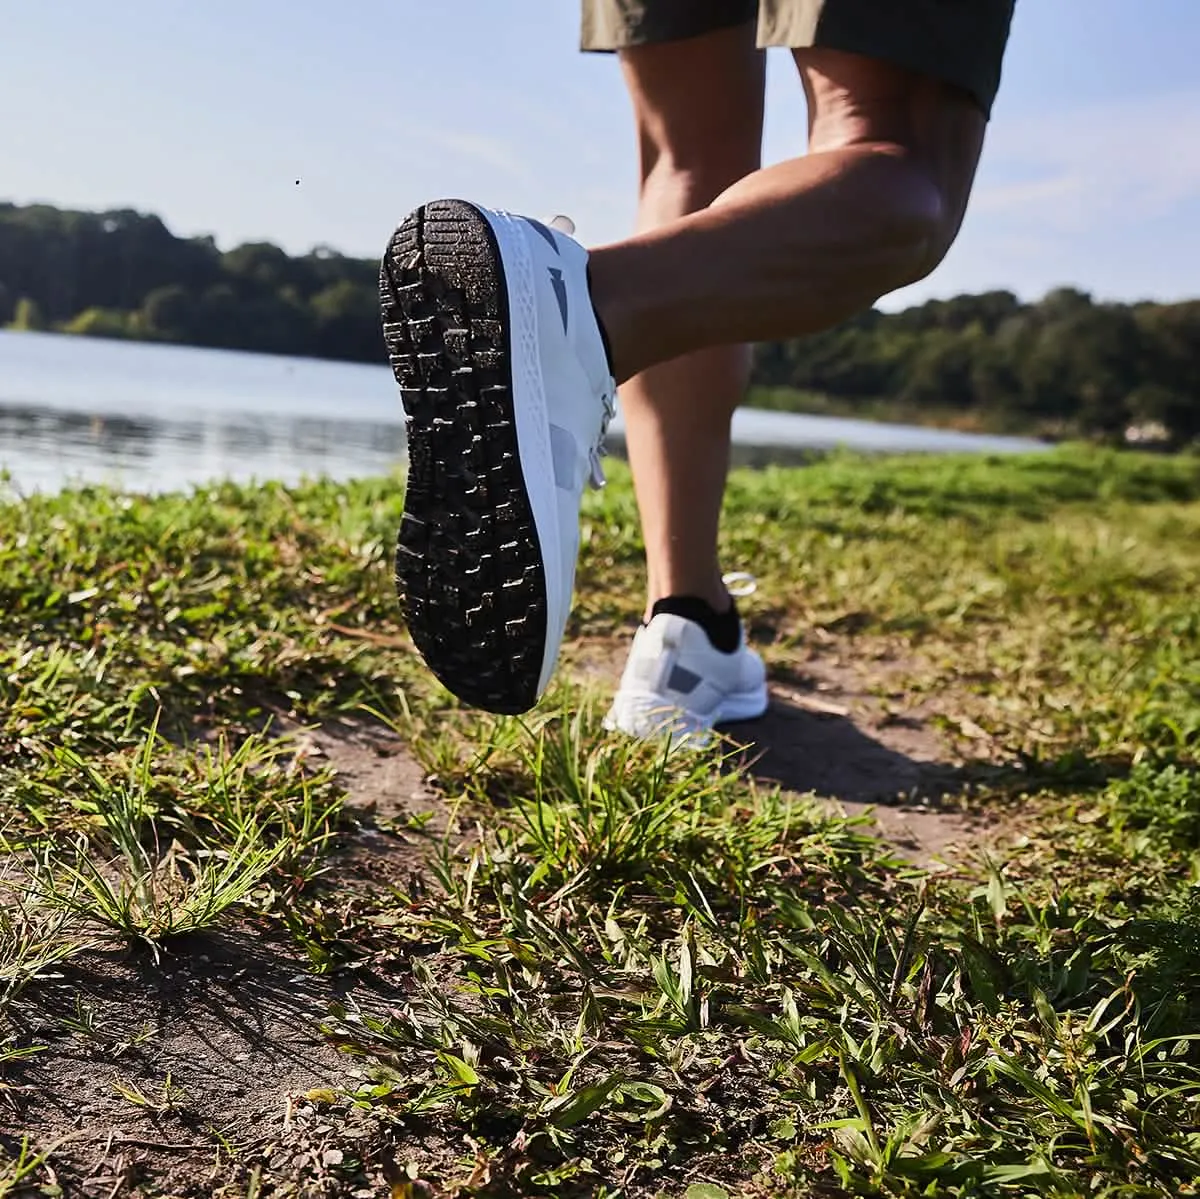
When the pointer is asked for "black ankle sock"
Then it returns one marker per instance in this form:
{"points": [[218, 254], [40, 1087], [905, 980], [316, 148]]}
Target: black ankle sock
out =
{"points": [[600, 324], [724, 629]]}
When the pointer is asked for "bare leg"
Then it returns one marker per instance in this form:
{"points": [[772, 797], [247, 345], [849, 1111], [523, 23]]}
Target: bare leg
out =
{"points": [[695, 140], [803, 245]]}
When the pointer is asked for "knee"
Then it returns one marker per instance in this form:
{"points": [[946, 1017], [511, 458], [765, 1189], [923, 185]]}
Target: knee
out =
{"points": [[919, 243], [929, 238], [915, 222], [672, 188]]}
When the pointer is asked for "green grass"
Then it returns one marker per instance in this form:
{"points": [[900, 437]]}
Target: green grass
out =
{"points": [[19, 1172], [627, 972]]}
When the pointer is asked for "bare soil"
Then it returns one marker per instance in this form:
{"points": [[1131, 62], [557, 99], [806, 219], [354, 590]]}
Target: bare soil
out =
{"points": [[842, 726], [222, 1037]]}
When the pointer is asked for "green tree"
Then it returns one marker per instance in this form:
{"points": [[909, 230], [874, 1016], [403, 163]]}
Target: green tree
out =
{"points": [[101, 322], [170, 312], [1062, 365], [1177, 412], [28, 316], [346, 321]]}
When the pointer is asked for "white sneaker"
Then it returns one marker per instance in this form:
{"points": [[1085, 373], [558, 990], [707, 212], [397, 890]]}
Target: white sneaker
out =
{"points": [[676, 684], [507, 392]]}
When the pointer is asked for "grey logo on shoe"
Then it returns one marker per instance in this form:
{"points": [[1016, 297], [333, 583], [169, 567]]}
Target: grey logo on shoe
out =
{"points": [[683, 680], [565, 453], [560, 292]]}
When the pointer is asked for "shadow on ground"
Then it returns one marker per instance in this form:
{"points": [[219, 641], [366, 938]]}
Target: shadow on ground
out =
{"points": [[805, 749], [914, 799], [216, 1044], [828, 733]]}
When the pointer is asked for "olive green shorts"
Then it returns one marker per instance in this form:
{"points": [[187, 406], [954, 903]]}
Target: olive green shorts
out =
{"points": [[959, 41]]}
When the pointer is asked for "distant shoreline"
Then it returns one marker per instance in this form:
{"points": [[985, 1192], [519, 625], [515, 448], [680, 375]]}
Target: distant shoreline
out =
{"points": [[1063, 367]]}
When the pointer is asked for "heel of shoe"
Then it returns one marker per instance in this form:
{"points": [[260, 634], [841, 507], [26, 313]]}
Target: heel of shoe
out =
{"points": [[469, 573]]}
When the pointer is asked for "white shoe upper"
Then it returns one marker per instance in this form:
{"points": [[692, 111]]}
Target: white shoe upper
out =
{"points": [[676, 683], [563, 396]]}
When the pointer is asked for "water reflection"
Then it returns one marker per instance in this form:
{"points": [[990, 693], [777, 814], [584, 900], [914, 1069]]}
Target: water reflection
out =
{"points": [[41, 448], [156, 417]]}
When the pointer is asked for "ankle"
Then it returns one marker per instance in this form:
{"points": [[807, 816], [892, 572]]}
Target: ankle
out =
{"points": [[723, 628], [714, 594]]}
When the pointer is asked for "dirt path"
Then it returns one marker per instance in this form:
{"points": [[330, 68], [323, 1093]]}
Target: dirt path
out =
{"points": [[841, 726], [149, 1067]]}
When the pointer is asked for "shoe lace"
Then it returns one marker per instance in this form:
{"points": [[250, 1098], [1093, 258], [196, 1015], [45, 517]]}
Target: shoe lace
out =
{"points": [[608, 398], [599, 448], [739, 583]]}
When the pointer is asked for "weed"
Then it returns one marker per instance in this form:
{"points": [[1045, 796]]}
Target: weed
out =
{"points": [[620, 970]]}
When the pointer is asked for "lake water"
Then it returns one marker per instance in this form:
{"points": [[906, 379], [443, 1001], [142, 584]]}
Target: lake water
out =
{"points": [[154, 418]]}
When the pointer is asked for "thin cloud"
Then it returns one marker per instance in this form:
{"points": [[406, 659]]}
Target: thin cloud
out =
{"points": [[496, 154], [1010, 197], [1131, 160]]}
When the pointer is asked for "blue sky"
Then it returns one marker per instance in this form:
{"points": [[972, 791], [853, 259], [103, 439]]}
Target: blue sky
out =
{"points": [[209, 113]]}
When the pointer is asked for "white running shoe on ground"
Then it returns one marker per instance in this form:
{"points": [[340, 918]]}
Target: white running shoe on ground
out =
{"points": [[507, 392], [677, 685]]}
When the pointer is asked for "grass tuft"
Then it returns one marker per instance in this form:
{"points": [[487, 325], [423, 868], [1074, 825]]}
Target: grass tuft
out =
{"points": [[604, 968]]}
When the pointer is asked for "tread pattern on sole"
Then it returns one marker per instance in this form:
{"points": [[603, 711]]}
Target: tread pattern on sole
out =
{"points": [[469, 571]]}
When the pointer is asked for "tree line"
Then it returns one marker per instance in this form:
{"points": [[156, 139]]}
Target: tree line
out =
{"points": [[1064, 365]]}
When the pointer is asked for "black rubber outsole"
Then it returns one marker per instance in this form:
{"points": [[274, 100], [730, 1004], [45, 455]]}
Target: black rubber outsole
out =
{"points": [[469, 571]]}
